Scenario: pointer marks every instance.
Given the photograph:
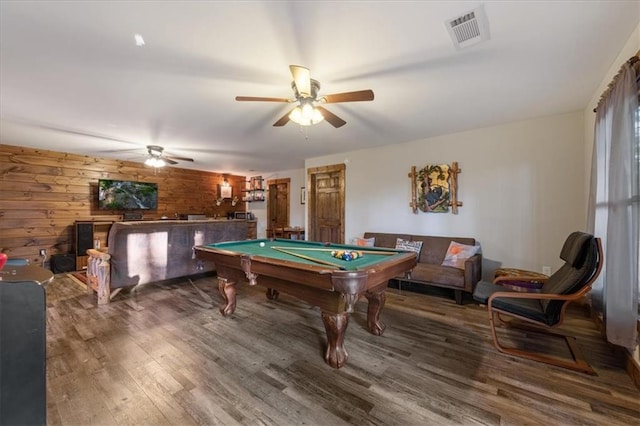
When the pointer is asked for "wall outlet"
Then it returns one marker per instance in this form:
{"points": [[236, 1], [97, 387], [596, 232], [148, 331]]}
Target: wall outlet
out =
{"points": [[43, 252], [546, 270]]}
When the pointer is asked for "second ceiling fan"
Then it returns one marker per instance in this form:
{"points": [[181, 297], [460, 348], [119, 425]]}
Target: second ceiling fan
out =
{"points": [[308, 111], [156, 157]]}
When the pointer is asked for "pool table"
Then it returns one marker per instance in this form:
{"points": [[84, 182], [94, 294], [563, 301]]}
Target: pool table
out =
{"points": [[308, 271]]}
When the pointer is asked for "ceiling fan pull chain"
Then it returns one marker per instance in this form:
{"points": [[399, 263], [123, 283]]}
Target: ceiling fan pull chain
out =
{"points": [[305, 131]]}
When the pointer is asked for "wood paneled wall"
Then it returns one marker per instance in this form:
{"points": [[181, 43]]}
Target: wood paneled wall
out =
{"points": [[42, 194]]}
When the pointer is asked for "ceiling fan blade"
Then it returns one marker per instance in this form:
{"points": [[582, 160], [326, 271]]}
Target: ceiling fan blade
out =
{"points": [[302, 78], [169, 161], [173, 157], [283, 120], [360, 95], [261, 99], [333, 119]]}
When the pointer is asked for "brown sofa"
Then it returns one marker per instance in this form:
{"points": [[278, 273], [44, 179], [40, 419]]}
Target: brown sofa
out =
{"points": [[430, 270], [142, 252]]}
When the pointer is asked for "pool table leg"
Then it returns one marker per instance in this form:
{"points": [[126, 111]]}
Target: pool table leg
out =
{"points": [[227, 290], [335, 325], [376, 303]]}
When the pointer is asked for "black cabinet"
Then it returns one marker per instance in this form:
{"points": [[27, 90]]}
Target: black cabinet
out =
{"points": [[89, 234]]}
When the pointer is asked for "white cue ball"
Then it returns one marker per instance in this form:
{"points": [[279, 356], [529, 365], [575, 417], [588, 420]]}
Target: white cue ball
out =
{"points": [[261, 244]]}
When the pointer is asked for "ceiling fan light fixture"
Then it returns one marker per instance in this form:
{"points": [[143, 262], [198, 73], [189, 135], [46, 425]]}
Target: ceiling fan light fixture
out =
{"points": [[306, 115], [155, 162]]}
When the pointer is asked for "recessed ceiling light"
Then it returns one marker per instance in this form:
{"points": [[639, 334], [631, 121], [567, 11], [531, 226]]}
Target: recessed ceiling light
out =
{"points": [[139, 40]]}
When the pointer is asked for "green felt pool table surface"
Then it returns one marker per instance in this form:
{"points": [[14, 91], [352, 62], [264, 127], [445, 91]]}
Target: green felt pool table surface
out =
{"points": [[282, 249]]}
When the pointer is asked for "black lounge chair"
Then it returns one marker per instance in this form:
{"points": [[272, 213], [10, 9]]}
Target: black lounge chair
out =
{"points": [[545, 310]]}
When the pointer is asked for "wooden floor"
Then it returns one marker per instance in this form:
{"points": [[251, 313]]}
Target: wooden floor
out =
{"points": [[165, 355]]}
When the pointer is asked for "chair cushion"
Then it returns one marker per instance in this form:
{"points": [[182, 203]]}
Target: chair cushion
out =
{"points": [[574, 249], [443, 275], [569, 278], [529, 308]]}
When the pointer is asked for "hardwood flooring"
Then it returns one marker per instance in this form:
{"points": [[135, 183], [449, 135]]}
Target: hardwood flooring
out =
{"points": [[164, 355]]}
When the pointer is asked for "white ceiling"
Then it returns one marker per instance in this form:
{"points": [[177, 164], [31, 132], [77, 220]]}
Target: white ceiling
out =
{"points": [[73, 80]]}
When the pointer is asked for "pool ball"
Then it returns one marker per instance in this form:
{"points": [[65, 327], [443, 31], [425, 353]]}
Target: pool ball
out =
{"points": [[262, 244]]}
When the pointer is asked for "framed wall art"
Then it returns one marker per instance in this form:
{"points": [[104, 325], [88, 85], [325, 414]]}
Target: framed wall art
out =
{"points": [[434, 188]]}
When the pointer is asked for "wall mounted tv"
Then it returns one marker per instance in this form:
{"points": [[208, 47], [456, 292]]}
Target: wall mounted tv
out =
{"points": [[127, 195]]}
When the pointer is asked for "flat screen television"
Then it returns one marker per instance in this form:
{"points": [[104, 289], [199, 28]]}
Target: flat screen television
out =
{"points": [[127, 195]]}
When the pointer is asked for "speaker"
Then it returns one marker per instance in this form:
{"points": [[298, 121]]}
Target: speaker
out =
{"points": [[84, 238], [63, 263]]}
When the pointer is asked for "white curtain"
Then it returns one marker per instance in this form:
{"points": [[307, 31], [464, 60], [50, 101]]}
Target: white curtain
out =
{"points": [[614, 207]]}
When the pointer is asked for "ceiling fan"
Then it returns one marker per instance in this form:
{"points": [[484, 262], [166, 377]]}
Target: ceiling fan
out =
{"points": [[305, 90], [157, 158]]}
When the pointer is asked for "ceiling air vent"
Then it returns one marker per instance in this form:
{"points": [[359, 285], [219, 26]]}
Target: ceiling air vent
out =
{"points": [[470, 28]]}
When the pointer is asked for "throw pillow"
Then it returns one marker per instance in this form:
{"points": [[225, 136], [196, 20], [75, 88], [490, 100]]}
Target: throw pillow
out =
{"points": [[414, 246], [364, 242], [458, 253]]}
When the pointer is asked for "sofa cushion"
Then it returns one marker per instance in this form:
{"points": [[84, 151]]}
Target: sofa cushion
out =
{"points": [[435, 248], [386, 240], [451, 277], [458, 253]]}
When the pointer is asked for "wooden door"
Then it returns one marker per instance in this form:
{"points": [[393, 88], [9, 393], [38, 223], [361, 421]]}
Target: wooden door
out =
{"points": [[278, 203], [326, 203]]}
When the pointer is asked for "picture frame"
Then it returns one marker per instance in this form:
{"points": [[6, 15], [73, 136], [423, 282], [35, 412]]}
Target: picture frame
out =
{"points": [[434, 188], [225, 191], [303, 195]]}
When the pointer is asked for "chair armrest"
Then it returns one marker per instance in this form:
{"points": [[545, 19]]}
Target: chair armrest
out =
{"points": [[538, 296]]}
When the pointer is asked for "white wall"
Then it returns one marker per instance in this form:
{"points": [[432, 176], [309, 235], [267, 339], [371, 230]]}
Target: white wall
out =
{"points": [[296, 212], [521, 186]]}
